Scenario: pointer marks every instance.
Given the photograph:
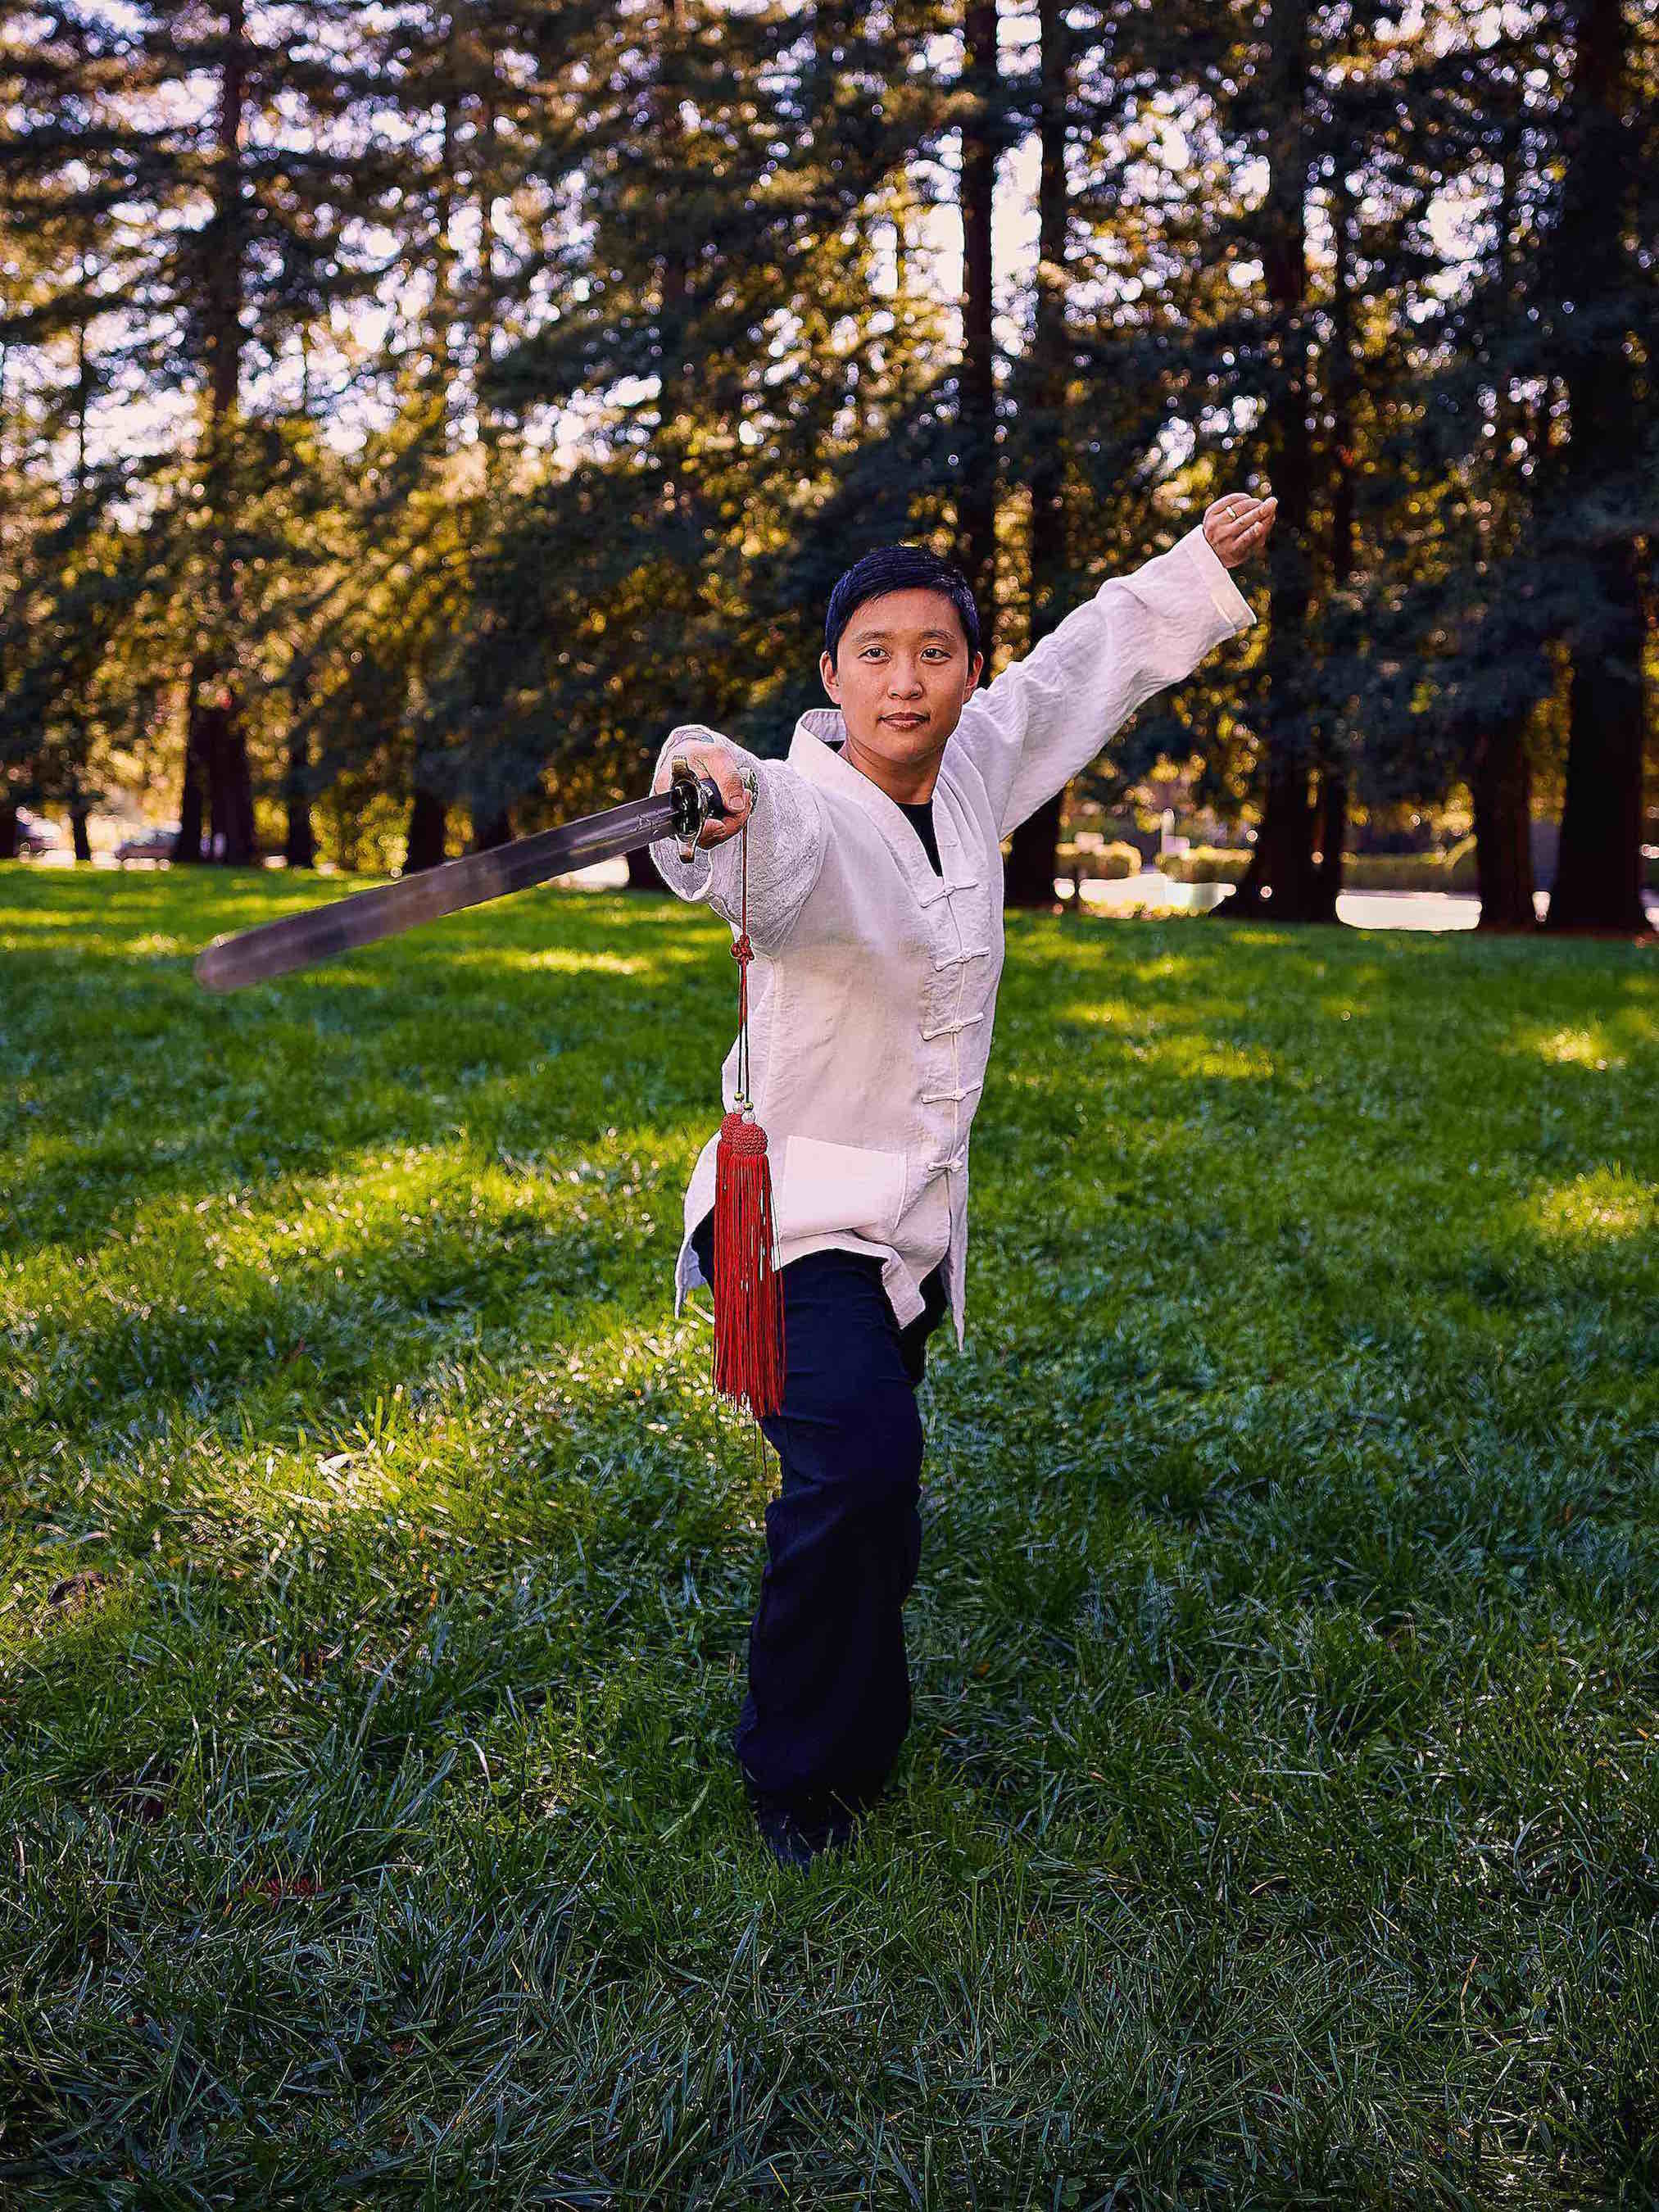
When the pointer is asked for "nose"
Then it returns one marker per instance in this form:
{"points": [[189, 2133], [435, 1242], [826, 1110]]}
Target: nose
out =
{"points": [[905, 681]]}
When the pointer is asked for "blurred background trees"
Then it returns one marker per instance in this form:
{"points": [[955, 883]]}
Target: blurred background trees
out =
{"points": [[407, 414]]}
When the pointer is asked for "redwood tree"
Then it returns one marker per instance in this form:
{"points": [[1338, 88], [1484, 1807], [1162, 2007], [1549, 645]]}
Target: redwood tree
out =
{"points": [[1029, 876], [976, 450], [1598, 526], [1281, 879]]}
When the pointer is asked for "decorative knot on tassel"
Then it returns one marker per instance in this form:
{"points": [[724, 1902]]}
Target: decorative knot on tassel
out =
{"points": [[742, 1138], [742, 949]]}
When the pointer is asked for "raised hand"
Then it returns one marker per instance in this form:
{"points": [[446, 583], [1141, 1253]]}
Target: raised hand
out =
{"points": [[1237, 526]]}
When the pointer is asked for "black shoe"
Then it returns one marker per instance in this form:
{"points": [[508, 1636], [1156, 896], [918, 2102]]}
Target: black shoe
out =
{"points": [[795, 1833]]}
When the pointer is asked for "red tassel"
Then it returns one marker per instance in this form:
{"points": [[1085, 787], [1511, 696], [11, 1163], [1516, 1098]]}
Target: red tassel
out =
{"points": [[748, 1289]]}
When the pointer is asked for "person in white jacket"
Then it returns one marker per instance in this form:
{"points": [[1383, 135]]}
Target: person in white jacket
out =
{"points": [[875, 913]]}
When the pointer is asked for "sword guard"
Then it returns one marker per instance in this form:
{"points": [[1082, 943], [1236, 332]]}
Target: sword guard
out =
{"points": [[697, 800]]}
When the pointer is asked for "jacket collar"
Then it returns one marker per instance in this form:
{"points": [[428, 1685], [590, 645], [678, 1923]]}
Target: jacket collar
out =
{"points": [[814, 749]]}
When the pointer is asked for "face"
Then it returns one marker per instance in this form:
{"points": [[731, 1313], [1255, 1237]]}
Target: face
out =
{"points": [[901, 677]]}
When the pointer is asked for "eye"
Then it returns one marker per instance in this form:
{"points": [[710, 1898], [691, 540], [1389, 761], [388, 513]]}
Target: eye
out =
{"points": [[868, 651]]}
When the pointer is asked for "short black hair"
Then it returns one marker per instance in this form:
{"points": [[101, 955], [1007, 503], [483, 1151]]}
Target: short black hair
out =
{"points": [[899, 568]]}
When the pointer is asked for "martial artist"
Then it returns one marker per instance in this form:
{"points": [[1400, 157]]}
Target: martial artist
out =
{"points": [[875, 913]]}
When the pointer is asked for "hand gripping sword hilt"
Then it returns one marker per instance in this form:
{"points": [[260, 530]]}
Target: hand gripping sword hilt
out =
{"points": [[697, 800]]}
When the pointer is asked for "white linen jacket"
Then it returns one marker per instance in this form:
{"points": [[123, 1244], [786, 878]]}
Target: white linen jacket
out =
{"points": [[874, 981]]}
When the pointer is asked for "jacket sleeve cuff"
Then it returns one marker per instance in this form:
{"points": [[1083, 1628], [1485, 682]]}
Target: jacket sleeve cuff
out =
{"points": [[693, 879], [687, 880], [788, 837], [704, 876], [1230, 602]]}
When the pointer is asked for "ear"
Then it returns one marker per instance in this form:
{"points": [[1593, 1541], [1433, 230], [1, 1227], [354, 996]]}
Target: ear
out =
{"points": [[831, 681], [972, 683]]}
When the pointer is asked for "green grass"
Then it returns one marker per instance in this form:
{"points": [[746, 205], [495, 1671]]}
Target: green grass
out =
{"points": [[1280, 1821]]}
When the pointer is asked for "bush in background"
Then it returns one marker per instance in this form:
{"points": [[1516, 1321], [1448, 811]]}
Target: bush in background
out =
{"points": [[1453, 870], [1206, 864], [1097, 863]]}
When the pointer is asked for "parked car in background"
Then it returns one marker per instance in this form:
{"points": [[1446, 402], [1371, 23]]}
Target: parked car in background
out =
{"points": [[35, 835], [154, 842]]}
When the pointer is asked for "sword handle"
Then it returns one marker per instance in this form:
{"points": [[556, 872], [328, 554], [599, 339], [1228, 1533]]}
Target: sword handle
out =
{"points": [[697, 800]]}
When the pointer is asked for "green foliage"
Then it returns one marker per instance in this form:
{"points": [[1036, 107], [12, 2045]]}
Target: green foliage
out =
{"points": [[1451, 870], [1276, 1823]]}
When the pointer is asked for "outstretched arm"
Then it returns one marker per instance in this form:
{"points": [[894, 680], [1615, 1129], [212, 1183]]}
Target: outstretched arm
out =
{"points": [[1046, 717], [787, 832]]}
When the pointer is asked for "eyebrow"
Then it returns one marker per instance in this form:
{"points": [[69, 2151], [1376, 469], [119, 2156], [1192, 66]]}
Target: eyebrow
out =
{"points": [[864, 636]]}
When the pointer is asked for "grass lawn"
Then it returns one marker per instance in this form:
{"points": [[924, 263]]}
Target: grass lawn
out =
{"points": [[1279, 1820]]}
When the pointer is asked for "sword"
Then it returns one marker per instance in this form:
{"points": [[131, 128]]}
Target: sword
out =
{"points": [[299, 940]]}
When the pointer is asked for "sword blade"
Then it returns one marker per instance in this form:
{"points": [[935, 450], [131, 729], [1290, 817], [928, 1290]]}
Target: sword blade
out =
{"points": [[300, 940]]}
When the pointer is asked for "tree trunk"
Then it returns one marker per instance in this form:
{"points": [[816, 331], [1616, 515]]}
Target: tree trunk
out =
{"points": [[1280, 883], [230, 786], [230, 782], [77, 806], [1598, 876], [428, 827], [1029, 876], [1029, 872], [491, 830], [443, 252], [241, 845], [8, 830], [1339, 472], [673, 440], [188, 844], [299, 847], [1333, 814], [1598, 872], [976, 452], [1499, 768], [218, 790], [1500, 784]]}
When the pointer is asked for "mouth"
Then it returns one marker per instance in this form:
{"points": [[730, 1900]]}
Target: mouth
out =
{"points": [[904, 722]]}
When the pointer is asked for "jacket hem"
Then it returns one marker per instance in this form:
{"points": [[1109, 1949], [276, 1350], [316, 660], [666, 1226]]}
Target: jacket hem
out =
{"points": [[902, 1291]]}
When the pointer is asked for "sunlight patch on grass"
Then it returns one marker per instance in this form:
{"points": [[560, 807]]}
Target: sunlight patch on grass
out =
{"points": [[1595, 1208], [1190, 1054], [1182, 968], [1102, 1013], [1181, 1044], [49, 923], [582, 961], [1582, 1045]]}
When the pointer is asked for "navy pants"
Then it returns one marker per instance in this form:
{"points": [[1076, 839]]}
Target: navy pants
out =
{"points": [[829, 1699]]}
